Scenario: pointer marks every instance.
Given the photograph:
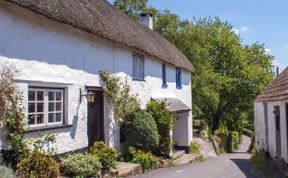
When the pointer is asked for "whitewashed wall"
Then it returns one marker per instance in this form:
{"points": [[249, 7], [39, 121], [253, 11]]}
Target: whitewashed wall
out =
{"points": [[260, 128], [47, 53]]}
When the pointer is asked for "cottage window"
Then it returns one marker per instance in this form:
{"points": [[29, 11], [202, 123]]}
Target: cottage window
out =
{"points": [[164, 75], [138, 67], [178, 78], [45, 106]]}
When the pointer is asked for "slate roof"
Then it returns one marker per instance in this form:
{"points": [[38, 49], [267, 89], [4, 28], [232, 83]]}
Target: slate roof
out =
{"points": [[174, 104], [102, 19], [277, 90]]}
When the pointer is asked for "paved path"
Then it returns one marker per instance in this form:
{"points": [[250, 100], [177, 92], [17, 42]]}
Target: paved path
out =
{"points": [[235, 165]]}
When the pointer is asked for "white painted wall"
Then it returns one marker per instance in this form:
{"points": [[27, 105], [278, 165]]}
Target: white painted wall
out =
{"points": [[47, 53], [260, 128]]}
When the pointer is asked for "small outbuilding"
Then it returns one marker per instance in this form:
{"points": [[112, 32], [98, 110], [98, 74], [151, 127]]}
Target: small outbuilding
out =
{"points": [[271, 120]]}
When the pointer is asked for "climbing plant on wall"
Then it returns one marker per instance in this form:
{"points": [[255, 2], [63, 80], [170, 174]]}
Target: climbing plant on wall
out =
{"points": [[118, 95], [12, 118]]}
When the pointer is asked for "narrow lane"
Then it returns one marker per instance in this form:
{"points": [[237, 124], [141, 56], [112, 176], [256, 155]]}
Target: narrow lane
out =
{"points": [[234, 165]]}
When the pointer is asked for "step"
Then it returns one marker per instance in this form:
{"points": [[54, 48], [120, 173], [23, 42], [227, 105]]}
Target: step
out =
{"points": [[185, 159], [177, 154], [127, 169]]}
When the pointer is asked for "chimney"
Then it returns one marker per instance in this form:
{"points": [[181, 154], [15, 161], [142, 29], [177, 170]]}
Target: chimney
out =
{"points": [[146, 19], [277, 71]]}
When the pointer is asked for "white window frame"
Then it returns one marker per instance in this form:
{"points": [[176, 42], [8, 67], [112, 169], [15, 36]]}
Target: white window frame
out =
{"points": [[46, 106], [138, 67]]}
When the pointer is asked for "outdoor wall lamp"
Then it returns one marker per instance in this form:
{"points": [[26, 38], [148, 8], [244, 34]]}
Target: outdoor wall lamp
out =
{"points": [[90, 96]]}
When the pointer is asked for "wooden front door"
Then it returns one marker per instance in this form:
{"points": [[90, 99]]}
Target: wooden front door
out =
{"points": [[277, 132], [95, 118]]}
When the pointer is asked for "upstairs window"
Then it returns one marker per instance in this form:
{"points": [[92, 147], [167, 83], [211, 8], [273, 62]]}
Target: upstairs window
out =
{"points": [[164, 75], [138, 67], [45, 106], [178, 78]]}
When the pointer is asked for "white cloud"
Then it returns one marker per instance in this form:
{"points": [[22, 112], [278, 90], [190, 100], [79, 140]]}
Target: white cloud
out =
{"points": [[275, 63], [268, 50], [240, 30]]}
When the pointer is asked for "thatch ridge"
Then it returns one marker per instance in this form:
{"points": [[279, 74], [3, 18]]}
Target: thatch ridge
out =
{"points": [[102, 19], [277, 90]]}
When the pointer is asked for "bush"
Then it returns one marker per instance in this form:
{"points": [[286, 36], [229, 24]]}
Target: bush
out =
{"points": [[80, 165], [194, 148], [38, 164], [6, 172], [147, 160], [165, 122], [235, 140], [140, 130], [107, 155]]}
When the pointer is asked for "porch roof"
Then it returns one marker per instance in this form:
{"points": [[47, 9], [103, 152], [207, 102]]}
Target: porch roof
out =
{"points": [[174, 104]]}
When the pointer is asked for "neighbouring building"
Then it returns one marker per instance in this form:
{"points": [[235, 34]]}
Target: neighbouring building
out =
{"points": [[271, 121], [59, 47]]}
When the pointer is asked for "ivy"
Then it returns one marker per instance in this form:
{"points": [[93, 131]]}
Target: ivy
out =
{"points": [[117, 93]]}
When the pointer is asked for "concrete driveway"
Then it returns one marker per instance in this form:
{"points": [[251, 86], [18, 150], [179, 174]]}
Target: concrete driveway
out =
{"points": [[235, 165]]}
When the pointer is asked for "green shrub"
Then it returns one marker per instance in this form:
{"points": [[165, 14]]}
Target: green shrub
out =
{"points": [[107, 155], [147, 160], [194, 148], [165, 122], [235, 140], [38, 164], [6, 172], [80, 165], [140, 130], [200, 158]]}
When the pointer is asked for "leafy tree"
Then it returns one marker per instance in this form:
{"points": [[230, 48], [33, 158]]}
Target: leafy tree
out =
{"points": [[229, 75], [131, 7]]}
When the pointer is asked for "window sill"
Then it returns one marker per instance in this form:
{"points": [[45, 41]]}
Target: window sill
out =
{"points": [[138, 79], [37, 129]]}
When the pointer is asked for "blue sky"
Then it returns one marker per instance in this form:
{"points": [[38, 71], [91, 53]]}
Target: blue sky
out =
{"points": [[255, 20]]}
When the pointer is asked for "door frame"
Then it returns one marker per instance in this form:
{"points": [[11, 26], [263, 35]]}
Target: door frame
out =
{"points": [[100, 91], [278, 143]]}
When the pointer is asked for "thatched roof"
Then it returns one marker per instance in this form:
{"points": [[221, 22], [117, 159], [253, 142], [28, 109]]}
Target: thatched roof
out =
{"points": [[277, 90], [102, 19]]}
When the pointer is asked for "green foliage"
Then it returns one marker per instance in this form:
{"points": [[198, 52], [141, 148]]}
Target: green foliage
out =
{"points": [[165, 121], [81, 165], [12, 116], [38, 165], [147, 160], [140, 130], [107, 155], [200, 158], [194, 148], [235, 140], [6, 172], [118, 95], [38, 162]]}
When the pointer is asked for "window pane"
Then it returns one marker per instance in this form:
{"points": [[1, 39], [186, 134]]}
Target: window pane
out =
{"points": [[40, 95], [58, 95], [31, 108], [31, 96], [31, 119], [58, 106], [51, 95], [40, 107], [58, 117], [51, 107], [40, 118], [51, 117]]}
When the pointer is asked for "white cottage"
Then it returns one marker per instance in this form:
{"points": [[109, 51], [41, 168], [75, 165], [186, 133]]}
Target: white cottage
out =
{"points": [[59, 47], [271, 120]]}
